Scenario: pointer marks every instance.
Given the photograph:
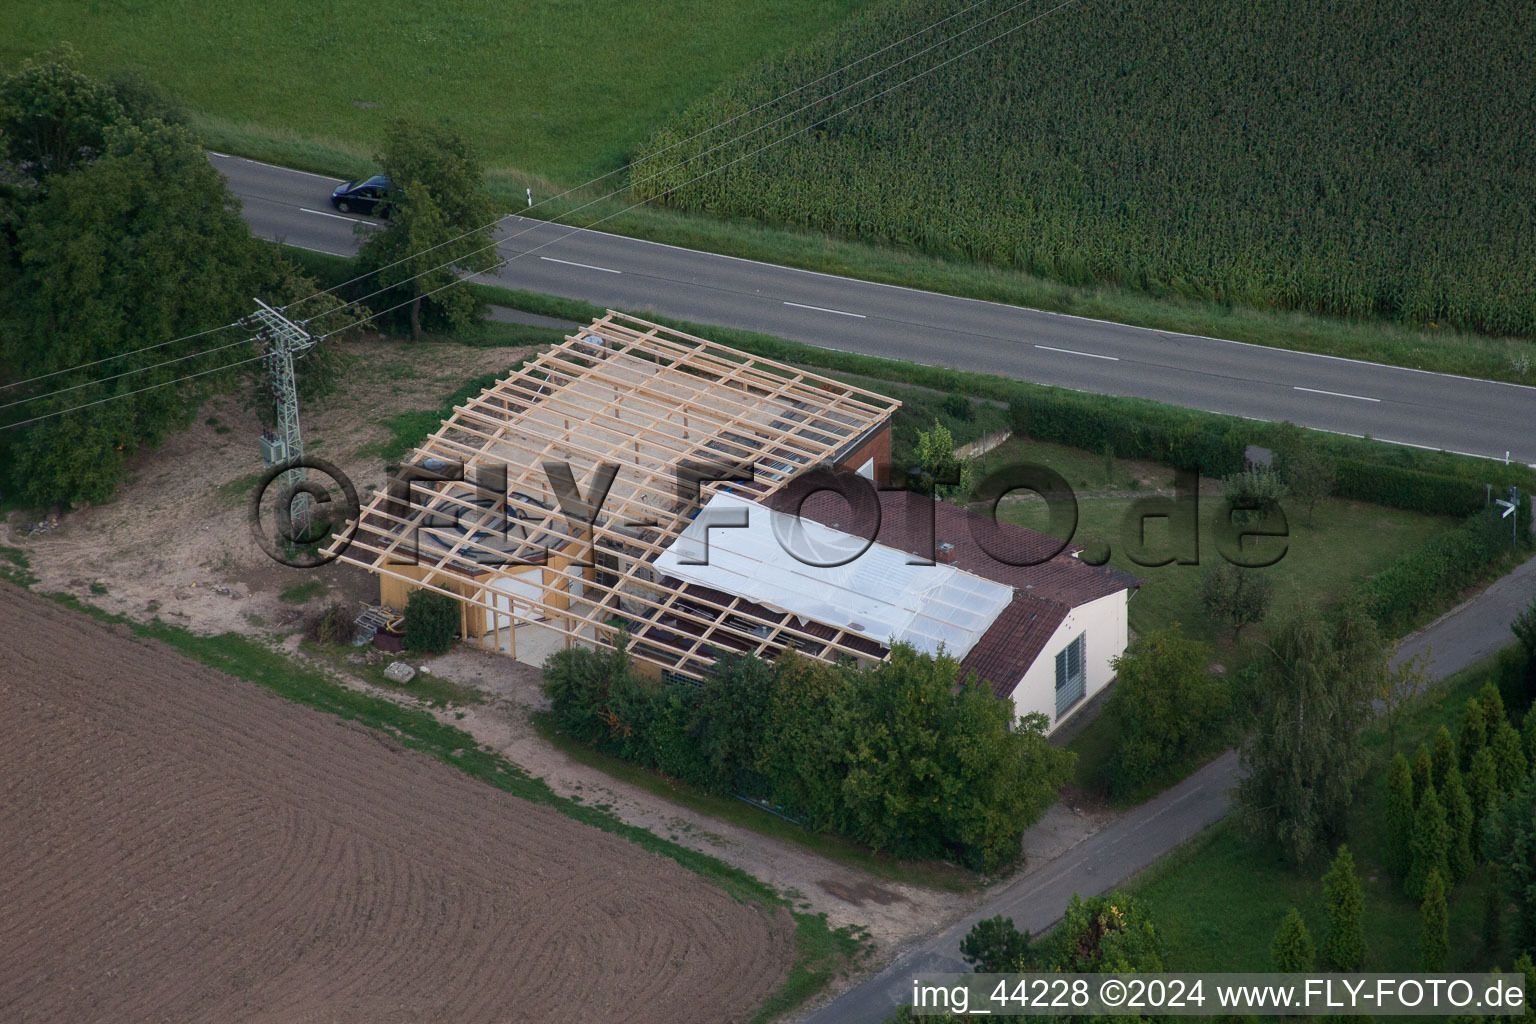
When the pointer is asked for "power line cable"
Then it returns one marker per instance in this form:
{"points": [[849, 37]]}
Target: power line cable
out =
{"points": [[119, 355], [130, 394], [125, 373]]}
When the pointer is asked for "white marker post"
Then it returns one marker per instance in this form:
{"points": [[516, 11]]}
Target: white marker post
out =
{"points": [[530, 197]]}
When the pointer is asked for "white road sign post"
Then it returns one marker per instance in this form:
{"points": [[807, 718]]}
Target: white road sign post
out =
{"points": [[1510, 508]]}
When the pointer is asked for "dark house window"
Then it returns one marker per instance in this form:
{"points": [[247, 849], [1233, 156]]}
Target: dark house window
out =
{"points": [[1070, 675]]}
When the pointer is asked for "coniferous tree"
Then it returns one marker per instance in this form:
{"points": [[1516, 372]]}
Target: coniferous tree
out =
{"points": [[1423, 772], [1482, 784], [1292, 950], [1459, 819], [1508, 757], [1528, 737], [1443, 756], [1493, 707], [1399, 816], [1474, 733], [1431, 844], [1434, 934], [1344, 941]]}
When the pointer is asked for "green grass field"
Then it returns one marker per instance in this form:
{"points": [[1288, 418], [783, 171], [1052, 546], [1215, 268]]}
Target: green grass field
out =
{"points": [[1346, 542], [551, 89], [1219, 900]]}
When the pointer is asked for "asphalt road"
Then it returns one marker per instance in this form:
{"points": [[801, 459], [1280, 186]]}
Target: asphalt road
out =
{"points": [[1413, 407], [1037, 899]]}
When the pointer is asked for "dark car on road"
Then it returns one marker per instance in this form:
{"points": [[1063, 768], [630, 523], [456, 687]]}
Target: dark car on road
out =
{"points": [[371, 195]]}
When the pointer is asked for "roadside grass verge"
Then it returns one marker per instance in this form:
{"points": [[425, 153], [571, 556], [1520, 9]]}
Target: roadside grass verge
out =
{"points": [[929, 874], [1219, 900], [821, 951]]}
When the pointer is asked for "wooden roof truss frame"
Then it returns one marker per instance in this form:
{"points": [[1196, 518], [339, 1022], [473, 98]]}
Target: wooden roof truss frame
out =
{"points": [[647, 398]]}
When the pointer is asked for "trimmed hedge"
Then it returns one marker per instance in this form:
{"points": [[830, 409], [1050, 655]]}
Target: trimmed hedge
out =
{"points": [[1212, 445], [1412, 490], [1421, 582]]}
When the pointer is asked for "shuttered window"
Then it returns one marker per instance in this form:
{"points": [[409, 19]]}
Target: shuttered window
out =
{"points": [[1070, 675]]}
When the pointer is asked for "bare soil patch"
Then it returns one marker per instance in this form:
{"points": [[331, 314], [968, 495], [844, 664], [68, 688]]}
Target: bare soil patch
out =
{"points": [[184, 846], [175, 542]]}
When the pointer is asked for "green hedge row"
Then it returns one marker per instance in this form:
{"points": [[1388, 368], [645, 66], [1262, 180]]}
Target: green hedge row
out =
{"points": [[1412, 490], [1418, 584], [1213, 445]]}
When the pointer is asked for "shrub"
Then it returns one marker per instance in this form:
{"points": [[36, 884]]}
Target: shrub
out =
{"points": [[333, 625], [1254, 493], [1167, 707], [904, 757], [1108, 933], [995, 946], [431, 620], [957, 406]]}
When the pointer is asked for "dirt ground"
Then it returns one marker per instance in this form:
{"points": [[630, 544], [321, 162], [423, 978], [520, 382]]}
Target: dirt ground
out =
{"points": [[184, 846], [175, 541]]}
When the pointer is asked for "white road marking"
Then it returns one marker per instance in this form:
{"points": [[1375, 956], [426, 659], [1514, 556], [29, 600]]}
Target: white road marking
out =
{"points": [[307, 248], [1337, 394], [221, 156], [1074, 352], [333, 216], [824, 309], [583, 266]]}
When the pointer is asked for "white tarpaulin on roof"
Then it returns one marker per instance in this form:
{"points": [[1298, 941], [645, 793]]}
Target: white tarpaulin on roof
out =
{"points": [[875, 595]]}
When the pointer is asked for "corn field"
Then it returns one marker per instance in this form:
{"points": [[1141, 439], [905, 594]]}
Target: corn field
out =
{"points": [[1337, 156]]}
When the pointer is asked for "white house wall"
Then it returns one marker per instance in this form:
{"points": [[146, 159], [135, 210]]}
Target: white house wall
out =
{"points": [[1106, 630]]}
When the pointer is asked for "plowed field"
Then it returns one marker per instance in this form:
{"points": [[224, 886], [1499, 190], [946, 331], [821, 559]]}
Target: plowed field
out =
{"points": [[178, 845]]}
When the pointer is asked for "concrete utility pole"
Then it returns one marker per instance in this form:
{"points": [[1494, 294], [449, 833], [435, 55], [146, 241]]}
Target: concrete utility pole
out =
{"points": [[284, 340]]}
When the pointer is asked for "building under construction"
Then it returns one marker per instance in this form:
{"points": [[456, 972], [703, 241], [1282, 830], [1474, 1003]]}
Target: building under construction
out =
{"points": [[645, 399]]}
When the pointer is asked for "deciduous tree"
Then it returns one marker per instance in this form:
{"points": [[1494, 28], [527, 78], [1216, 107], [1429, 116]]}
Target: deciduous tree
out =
{"points": [[118, 235], [1304, 760], [1166, 704], [438, 227], [1236, 596]]}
